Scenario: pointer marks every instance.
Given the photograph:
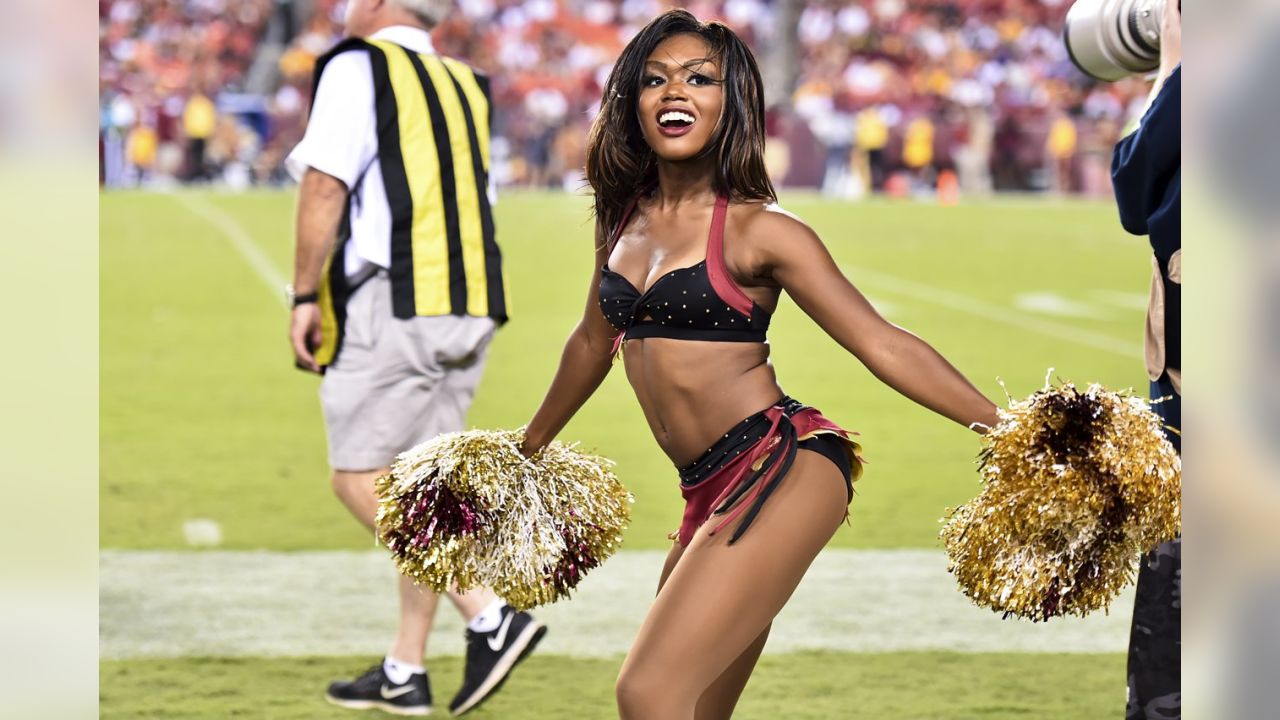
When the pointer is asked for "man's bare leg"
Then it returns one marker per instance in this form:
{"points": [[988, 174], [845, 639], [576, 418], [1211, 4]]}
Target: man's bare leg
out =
{"points": [[417, 604]]}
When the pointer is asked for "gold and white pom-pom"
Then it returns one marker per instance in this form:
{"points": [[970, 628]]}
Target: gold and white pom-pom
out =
{"points": [[467, 510], [1077, 486]]}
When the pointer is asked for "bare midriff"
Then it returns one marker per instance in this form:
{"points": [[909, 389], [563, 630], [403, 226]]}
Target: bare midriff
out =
{"points": [[692, 391]]}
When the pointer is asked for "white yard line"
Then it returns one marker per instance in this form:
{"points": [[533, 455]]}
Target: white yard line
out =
{"points": [[240, 240], [219, 603], [953, 300], [1051, 303], [1119, 298]]}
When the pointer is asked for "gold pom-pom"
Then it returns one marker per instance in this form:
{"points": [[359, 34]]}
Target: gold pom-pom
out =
{"points": [[467, 510], [1078, 485]]}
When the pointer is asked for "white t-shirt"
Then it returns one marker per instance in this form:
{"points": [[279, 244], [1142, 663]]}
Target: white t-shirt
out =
{"points": [[342, 141]]}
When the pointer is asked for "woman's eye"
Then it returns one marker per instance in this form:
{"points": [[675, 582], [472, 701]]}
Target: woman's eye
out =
{"points": [[697, 79], [651, 81]]}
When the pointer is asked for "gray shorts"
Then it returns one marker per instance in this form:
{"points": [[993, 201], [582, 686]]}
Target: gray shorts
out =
{"points": [[396, 382]]}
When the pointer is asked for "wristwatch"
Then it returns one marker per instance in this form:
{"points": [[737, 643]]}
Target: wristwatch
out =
{"points": [[295, 299]]}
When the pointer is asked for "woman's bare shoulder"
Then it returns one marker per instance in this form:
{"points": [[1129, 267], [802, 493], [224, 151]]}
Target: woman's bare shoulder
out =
{"points": [[765, 225]]}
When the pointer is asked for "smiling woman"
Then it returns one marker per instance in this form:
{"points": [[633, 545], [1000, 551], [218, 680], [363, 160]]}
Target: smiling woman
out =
{"points": [[692, 256], [699, 96], [677, 89]]}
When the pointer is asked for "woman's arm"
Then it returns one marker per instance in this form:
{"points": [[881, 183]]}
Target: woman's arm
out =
{"points": [[797, 260], [587, 357]]}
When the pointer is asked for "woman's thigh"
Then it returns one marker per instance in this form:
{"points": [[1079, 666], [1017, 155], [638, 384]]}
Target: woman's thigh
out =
{"points": [[719, 598], [669, 564]]}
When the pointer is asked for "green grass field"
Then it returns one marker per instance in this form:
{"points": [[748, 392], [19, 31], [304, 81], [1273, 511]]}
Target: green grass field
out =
{"points": [[800, 686], [203, 416]]}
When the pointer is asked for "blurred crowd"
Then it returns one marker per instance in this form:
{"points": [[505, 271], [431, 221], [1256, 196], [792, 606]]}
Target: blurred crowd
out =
{"points": [[953, 96], [169, 74]]}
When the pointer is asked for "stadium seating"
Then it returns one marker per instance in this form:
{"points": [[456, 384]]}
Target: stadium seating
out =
{"points": [[980, 88]]}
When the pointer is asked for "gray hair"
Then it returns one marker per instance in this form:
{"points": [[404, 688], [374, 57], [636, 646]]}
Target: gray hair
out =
{"points": [[428, 12]]}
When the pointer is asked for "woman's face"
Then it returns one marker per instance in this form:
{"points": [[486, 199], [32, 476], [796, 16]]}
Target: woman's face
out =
{"points": [[681, 96]]}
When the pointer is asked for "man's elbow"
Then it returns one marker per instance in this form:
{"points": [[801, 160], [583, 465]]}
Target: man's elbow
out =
{"points": [[1130, 201], [322, 186], [1133, 207], [1133, 223]]}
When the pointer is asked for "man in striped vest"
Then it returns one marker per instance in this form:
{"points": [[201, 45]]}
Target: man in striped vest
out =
{"points": [[397, 292]]}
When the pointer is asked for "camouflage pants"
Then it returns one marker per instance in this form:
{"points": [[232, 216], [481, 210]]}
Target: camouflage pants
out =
{"points": [[1155, 640]]}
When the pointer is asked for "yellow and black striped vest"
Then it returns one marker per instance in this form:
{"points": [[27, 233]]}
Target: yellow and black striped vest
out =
{"points": [[433, 120]]}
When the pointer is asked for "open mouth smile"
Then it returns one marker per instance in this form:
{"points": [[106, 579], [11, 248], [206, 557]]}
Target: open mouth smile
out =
{"points": [[675, 121]]}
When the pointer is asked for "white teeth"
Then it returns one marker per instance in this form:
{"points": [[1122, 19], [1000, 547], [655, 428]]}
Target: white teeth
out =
{"points": [[672, 115]]}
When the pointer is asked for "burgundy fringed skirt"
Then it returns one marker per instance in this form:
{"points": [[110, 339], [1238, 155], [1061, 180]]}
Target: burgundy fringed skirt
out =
{"points": [[735, 477]]}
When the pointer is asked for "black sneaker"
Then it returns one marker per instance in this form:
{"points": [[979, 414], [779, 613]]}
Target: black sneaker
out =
{"points": [[492, 655], [374, 690]]}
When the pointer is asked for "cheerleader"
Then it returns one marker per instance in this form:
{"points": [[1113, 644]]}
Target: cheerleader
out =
{"points": [[692, 254]]}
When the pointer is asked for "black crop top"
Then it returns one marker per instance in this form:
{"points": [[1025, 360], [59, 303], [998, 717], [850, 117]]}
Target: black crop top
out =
{"points": [[700, 302]]}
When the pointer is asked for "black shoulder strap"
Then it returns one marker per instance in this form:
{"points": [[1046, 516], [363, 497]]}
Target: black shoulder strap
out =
{"points": [[483, 81], [343, 46]]}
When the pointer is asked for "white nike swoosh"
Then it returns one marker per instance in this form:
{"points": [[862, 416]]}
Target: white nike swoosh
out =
{"points": [[497, 641], [388, 694]]}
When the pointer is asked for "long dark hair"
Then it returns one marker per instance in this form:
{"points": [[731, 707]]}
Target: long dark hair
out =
{"points": [[620, 162]]}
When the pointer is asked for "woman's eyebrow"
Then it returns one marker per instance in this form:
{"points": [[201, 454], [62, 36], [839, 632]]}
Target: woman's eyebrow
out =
{"points": [[688, 64]]}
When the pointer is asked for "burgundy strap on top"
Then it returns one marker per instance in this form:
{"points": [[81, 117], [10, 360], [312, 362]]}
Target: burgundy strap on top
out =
{"points": [[717, 272]]}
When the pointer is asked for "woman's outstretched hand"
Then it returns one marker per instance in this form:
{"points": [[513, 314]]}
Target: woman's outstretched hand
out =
{"points": [[531, 445], [988, 421]]}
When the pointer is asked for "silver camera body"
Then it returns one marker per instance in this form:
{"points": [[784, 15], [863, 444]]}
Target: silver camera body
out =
{"points": [[1111, 39]]}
